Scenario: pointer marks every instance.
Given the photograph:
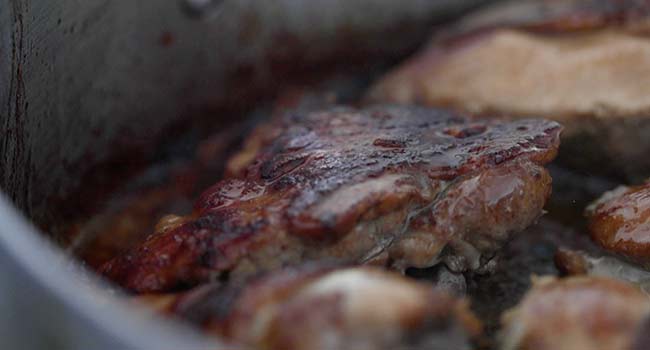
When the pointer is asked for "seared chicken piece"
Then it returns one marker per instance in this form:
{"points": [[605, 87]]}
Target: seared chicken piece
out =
{"points": [[385, 185], [576, 313], [530, 253], [317, 308], [574, 262], [577, 262], [583, 63], [619, 222], [174, 187]]}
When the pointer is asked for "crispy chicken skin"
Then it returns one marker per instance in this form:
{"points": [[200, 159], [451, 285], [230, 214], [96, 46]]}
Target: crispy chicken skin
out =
{"points": [[583, 63], [619, 222], [386, 185], [318, 307], [575, 313]]}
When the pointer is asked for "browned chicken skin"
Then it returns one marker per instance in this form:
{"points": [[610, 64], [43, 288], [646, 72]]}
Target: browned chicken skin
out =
{"points": [[620, 222], [318, 307], [584, 63], [577, 262], [385, 185], [576, 313]]}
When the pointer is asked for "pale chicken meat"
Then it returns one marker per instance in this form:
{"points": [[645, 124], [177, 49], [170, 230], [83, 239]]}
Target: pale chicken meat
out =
{"points": [[395, 186], [584, 63], [317, 307]]}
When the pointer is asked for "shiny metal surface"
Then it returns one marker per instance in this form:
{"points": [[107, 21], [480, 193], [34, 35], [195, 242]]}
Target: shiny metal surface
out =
{"points": [[47, 302], [79, 78]]}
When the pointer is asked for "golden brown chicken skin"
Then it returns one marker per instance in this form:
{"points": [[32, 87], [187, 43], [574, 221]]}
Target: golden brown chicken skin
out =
{"points": [[619, 222], [317, 307], [576, 313], [387, 185], [584, 63]]}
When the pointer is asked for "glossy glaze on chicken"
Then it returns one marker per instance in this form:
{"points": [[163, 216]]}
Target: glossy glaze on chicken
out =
{"points": [[396, 186], [619, 221]]}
